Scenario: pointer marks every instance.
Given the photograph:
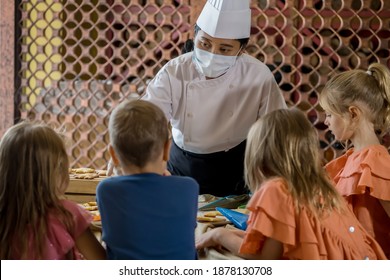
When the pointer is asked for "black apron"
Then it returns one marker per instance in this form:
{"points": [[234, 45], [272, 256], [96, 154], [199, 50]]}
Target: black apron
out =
{"points": [[219, 174]]}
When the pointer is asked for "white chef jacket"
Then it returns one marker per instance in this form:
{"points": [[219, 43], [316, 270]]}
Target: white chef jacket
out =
{"points": [[213, 115]]}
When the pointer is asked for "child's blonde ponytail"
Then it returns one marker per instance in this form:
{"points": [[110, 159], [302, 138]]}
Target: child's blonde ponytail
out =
{"points": [[382, 76]]}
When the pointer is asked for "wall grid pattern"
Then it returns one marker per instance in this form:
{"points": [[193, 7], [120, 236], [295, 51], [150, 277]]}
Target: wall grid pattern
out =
{"points": [[81, 58]]}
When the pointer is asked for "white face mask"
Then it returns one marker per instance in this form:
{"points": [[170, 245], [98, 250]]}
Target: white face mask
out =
{"points": [[212, 65]]}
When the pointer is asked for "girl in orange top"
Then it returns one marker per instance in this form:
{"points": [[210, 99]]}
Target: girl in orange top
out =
{"points": [[296, 213], [357, 106]]}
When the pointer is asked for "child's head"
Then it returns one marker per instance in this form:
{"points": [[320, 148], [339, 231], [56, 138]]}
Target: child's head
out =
{"points": [[33, 175], [280, 143], [33, 164], [284, 144], [365, 91], [138, 133]]}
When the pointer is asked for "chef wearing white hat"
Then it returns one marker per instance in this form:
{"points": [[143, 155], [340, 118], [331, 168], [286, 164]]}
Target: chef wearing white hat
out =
{"points": [[212, 96]]}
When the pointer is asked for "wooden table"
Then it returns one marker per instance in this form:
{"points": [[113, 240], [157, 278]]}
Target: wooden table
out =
{"points": [[82, 190]]}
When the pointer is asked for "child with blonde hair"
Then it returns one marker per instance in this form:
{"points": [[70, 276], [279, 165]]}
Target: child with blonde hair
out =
{"points": [[145, 215], [36, 222], [357, 106], [295, 212]]}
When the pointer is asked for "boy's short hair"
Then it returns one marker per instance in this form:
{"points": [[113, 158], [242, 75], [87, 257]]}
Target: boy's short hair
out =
{"points": [[138, 132]]}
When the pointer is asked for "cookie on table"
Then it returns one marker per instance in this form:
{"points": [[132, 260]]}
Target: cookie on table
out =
{"points": [[86, 176], [83, 170], [209, 219]]}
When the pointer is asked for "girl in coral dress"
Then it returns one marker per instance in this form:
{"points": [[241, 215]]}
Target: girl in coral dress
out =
{"points": [[35, 221], [357, 106], [296, 213]]}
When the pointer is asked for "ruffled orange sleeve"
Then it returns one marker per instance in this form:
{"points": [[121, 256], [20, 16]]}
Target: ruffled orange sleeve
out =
{"points": [[369, 168], [335, 167], [272, 215]]}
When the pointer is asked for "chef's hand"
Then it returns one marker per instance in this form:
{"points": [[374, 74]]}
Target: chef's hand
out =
{"points": [[113, 170], [166, 171]]}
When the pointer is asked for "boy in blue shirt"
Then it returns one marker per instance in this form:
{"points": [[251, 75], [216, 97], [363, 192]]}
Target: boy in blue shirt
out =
{"points": [[145, 215]]}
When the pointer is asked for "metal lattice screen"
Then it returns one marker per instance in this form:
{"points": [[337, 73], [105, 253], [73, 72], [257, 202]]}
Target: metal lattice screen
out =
{"points": [[81, 58]]}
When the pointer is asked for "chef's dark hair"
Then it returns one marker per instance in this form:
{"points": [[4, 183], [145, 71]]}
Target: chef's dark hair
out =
{"points": [[189, 44]]}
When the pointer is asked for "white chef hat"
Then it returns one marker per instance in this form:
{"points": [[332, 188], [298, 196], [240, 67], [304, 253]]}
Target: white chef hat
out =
{"points": [[227, 19]]}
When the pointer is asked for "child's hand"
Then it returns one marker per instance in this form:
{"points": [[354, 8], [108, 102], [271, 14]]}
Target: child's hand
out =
{"points": [[209, 238]]}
